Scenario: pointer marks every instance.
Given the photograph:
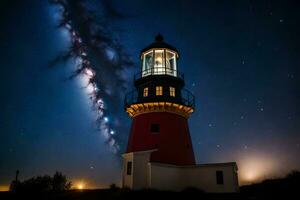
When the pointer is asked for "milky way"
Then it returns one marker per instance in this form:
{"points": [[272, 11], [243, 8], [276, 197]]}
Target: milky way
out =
{"points": [[101, 60]]}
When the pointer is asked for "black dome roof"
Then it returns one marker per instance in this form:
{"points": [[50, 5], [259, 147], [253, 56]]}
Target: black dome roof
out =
{"points": [[159, 43]]}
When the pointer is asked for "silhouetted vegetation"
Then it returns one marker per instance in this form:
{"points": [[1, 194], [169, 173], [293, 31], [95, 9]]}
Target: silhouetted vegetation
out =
{"points": [[41, 184], [114, 187]]}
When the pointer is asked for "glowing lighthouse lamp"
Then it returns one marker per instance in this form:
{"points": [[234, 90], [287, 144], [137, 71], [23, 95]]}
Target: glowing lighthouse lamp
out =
{"points": [[160, 153]]}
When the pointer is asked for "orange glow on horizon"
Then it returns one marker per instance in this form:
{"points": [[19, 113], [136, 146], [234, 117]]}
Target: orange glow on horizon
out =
{"points": [[79, 185], [256, 168], [4, 188]]}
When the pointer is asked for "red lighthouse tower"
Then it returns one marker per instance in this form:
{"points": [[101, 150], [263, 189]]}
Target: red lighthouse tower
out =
{"points": [[160, 107]]}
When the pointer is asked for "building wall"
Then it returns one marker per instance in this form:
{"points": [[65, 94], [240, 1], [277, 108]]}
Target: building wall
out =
{"points": [[170, 177], [139, 176], [173, 142], [146, 174], [127, 179], [164, 178], [140, 171]]}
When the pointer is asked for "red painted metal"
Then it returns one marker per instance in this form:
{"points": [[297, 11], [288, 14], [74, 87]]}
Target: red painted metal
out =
{"points": [[173, 141]]}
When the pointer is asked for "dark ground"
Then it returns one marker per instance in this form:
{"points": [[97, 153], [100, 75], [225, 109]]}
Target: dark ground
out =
{"points": [[252, 192], [282, 188], [120, 194]]}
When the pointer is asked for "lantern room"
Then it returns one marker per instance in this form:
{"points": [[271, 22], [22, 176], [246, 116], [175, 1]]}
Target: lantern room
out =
{"points": [[159, 58]]}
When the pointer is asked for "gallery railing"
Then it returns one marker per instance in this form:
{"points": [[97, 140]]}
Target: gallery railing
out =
{"points": [[159, 71], [185, 98]]}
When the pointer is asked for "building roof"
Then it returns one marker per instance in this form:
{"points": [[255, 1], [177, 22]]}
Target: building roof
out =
{"points": [[159, 43]]}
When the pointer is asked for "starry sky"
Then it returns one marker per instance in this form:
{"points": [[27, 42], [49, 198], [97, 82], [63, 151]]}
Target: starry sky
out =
{"points": [[240, 59]]}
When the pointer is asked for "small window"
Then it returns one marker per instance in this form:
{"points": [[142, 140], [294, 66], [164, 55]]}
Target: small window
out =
{"points": [[159, 90], [220, 179], [129, 168], [172, 91], [154, 128], [145, 92]]}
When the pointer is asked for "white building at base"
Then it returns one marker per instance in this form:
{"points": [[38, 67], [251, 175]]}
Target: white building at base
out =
{"points": [[140, 173]]}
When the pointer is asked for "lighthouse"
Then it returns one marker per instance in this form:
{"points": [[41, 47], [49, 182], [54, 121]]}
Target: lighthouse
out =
{"points": [[160, 107], [160, 153]]}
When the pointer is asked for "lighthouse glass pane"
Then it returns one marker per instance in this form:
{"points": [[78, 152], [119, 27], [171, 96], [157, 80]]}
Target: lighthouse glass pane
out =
{"points": [[159, 62], [147, 63], [171, 63]]}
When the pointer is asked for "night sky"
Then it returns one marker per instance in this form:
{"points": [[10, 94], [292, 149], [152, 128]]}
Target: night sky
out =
{"points": [[241, 60]]}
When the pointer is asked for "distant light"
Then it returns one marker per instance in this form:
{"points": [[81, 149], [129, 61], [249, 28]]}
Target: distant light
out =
{"points": [[106, 119], [4, 188], [80, 186], [250, 176], [256, 167], [112, 132]]}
